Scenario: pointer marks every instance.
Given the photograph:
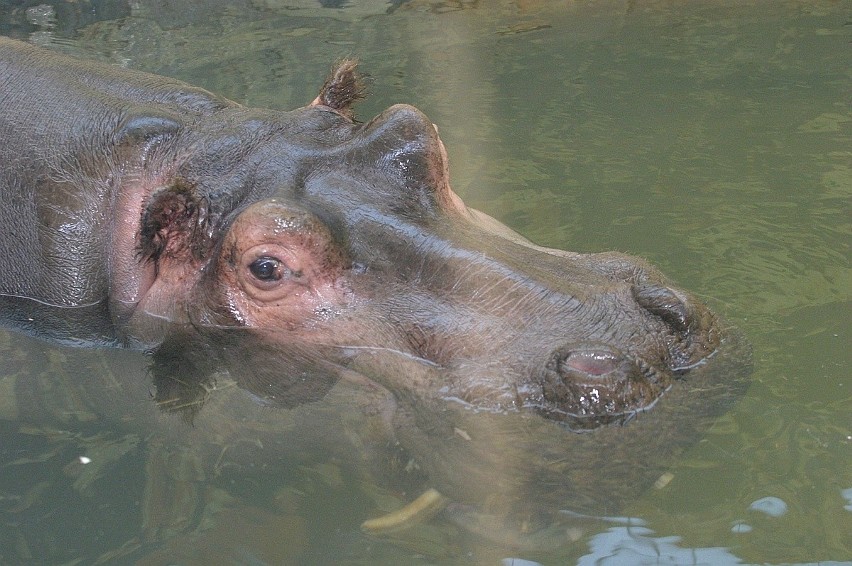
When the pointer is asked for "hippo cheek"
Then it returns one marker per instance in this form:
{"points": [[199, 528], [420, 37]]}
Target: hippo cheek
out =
{"points": [[586, 386], [279, 268]]}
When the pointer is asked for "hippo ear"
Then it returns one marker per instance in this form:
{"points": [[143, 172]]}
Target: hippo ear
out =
{"points": [[174, 223], [342, 89]]}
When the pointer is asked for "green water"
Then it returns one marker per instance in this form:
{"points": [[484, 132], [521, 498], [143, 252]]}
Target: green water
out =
{"points": [[712, 138]]}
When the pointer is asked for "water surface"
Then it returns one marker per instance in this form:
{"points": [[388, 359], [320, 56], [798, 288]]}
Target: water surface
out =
{"points": [[712, 138]]}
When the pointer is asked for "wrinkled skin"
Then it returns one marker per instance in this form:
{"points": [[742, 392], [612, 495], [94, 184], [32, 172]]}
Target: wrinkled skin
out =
{"points": [[293, 248]]}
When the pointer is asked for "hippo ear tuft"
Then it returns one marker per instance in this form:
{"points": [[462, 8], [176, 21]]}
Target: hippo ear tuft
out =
{"points": [[343, 87]]}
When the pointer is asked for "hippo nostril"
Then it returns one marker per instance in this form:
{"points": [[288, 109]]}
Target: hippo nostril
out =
{"points": [[665, 304], [589, 385], [597, 365], [695, 336], [594, 363]]}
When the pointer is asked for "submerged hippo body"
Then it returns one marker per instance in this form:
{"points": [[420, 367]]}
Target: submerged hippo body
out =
{"points": [[293, 248]]}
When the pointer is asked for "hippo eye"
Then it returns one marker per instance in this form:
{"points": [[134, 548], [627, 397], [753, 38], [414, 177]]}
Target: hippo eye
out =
{"points": [[266, 269]]}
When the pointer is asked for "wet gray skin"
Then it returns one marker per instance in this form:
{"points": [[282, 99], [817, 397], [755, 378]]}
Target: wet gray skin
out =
{"points": [[295, 248]]}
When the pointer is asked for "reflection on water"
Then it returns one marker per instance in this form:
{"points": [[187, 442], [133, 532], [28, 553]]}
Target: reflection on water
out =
{"points": [[712, 138]]}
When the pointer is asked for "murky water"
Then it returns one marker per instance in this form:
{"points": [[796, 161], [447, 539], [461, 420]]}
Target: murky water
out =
{"points": [[712, 138]]}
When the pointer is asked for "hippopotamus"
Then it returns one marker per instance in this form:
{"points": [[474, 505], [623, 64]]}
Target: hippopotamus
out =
{"points": [[293, 248], [326, 267]]}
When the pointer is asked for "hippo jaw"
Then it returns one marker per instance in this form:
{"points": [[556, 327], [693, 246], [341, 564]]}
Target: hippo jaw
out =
{"points": [[581, 386]]}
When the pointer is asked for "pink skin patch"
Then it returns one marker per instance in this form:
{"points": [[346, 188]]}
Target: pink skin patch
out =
{"points": [[592, 363], [308, 275]]}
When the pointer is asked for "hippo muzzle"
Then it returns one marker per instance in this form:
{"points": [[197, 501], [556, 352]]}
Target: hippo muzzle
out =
{"points": [[586, 339]]}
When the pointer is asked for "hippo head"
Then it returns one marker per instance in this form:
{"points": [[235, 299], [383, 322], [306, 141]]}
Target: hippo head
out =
{"points": [[293, 249]]}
